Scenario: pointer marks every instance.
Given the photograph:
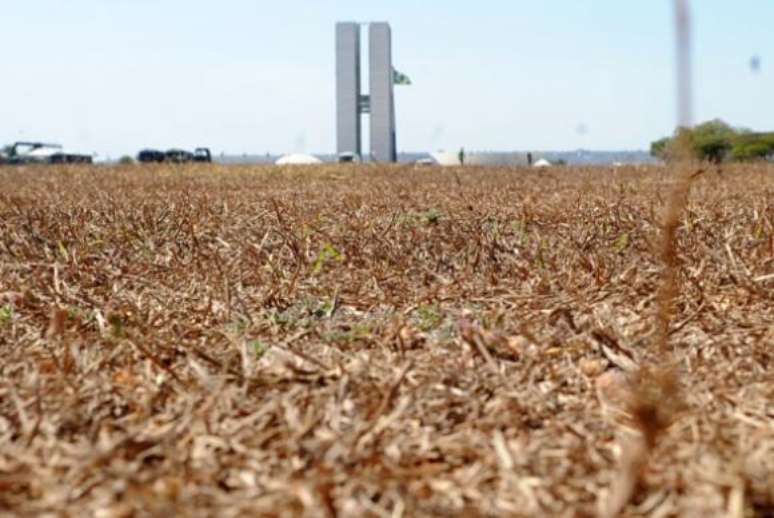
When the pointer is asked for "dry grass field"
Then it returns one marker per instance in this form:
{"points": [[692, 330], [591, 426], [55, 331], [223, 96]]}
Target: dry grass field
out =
{"points": [[385, 341]]}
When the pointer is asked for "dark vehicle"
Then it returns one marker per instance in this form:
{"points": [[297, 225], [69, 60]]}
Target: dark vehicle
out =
{"points": [[69, 158], [348, 157], [21, 153], [151, 155], [202, 154], [175, 156], [178, 156]]}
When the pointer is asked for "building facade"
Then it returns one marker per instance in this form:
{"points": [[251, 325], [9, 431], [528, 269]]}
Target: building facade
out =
{"points": [[348, 130]]}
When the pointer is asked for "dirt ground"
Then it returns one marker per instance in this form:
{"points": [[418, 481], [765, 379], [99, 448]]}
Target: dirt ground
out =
{"points": [[382, 341]]}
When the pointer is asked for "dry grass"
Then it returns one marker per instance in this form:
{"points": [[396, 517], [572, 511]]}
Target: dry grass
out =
{"points": [[383, 342]]}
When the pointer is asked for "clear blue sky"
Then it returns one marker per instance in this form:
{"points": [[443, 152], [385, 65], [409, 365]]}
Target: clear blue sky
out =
{"points": [[112, 76]]}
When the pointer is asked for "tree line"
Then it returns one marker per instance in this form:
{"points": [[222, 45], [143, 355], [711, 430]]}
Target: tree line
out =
{"points": [[717, 141]]}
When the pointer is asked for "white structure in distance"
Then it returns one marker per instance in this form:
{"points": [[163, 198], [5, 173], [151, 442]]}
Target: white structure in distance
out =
{"points": [[542, 163], [298, 159], [452, 158]]}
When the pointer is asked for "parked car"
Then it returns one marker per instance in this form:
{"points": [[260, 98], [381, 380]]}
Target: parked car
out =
{"points": [[150, 155], [176, 156], [70, 158], [202, 154], [348, 156]]}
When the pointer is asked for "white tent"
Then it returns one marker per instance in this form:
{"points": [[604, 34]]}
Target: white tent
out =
{"points": [[298, 159], [446, 159], [542, 163]]}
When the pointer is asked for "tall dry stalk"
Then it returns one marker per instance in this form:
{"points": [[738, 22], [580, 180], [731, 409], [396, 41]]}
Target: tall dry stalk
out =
{"points": [[655, 399]]}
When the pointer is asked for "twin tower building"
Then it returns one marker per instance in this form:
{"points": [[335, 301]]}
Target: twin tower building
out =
{"points": [[352, 102]]}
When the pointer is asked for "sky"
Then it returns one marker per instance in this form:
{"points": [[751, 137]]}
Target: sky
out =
{"points": [[256, 76]]}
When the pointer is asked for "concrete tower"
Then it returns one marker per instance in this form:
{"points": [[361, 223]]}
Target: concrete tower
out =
{"points": [[351, 103], [382, 93], [348, 88]]}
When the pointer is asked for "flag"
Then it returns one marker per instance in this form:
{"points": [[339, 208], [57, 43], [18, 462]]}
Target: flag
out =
{"points": [[399, 78]]}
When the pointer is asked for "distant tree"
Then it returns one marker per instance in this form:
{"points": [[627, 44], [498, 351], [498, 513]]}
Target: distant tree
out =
{"points": [[754, 151], [753, 146], [126, 160], [712, 140], [660, 148]]}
